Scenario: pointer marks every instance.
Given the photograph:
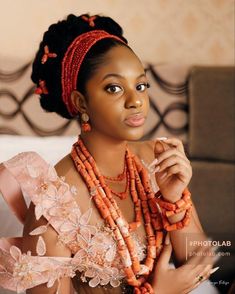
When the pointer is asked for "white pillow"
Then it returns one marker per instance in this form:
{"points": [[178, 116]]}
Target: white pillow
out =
{"points": [[52, 149]]}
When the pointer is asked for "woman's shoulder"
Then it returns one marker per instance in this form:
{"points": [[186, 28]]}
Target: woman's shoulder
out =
{"points": [[66, 169]]}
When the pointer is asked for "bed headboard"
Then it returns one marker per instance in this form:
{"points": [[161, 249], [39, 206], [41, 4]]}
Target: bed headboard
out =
{"points": [[20, 112]]}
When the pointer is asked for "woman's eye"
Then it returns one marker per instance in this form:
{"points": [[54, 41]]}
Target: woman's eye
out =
{"points": [[113, 89], [142, 87]]}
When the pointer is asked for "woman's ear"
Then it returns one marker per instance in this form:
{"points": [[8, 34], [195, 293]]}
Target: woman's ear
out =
{"points": [[79, 102]]}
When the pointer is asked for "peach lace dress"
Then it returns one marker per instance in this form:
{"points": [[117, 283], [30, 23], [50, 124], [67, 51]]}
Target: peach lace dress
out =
{"points": [[94, 265]]}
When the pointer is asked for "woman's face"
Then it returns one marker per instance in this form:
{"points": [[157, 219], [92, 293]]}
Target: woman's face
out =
{"points": [[116, 95]]}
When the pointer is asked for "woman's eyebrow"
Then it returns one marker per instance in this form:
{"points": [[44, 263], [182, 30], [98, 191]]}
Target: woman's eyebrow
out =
{"points": [[120, 76]]}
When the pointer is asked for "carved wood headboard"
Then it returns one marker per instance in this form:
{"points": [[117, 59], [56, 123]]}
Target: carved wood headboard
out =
{"points": [[20, 112]]}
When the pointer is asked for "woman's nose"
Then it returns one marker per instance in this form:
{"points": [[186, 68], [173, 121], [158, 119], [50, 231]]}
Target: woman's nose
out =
{"points": [[133, 101]]}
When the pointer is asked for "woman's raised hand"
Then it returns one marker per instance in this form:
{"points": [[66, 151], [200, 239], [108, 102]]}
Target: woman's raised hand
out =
{"points": [[183, 279], [172, 168]]}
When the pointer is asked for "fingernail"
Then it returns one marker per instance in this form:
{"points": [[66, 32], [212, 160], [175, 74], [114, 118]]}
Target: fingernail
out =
{"points": [[161, 138], [156, 169], [167, 239], [153, 163], [213, 270]]}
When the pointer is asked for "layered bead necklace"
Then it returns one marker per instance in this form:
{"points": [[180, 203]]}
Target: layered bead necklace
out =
{"points": [[124, 176], [144, 204]]}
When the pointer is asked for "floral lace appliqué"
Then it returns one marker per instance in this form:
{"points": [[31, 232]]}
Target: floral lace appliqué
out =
{"points": [[94, 252]]}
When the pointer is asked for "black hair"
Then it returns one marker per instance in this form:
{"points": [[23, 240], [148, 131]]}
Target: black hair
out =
{"points": [[58, 38]]}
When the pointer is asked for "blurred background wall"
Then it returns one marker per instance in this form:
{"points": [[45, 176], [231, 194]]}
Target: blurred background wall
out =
{"points": [[189, 31]]}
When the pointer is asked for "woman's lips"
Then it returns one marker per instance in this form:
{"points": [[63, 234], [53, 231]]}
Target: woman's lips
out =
{"points": [[135, 120]]}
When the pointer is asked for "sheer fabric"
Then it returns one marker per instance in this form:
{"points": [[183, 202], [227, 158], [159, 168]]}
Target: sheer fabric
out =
{"points": [[94, 263]]}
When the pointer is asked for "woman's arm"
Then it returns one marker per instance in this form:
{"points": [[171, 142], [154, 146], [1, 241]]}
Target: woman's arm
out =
{"points": [[173, 174], [53, 248], [185, 241]]}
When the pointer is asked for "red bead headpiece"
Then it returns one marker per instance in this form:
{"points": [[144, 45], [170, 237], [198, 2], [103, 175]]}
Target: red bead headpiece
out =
{"points": [[73, 59]]}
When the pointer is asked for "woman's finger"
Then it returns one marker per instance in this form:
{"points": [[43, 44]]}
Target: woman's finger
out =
{"points": [[170, 161], [206, 273], [177, 143], [197, 267], [163, 261], [191, 275], [198, 255], [160, 147], [192, 270], [201, 277], [168, 153], [202, 271], [177, 169], [207, 254]]}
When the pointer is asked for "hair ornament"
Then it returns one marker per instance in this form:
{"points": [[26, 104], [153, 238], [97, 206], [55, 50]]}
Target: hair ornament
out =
{"points": [[47, 54], [73, 59], [42, 89], [89, 19]]}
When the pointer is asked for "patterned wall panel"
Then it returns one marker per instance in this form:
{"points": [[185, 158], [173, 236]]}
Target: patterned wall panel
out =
{"points": [[20, 112]]}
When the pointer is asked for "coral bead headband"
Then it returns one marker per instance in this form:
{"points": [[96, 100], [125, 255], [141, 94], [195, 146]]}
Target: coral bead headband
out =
{"points": [[73, 59]]}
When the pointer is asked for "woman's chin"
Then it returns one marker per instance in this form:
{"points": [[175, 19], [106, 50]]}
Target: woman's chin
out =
{"points": [[135, 134], [125, 134]]}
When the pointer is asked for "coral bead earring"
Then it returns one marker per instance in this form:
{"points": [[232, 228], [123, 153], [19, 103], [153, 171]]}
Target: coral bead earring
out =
{"points": [[86, 127]]}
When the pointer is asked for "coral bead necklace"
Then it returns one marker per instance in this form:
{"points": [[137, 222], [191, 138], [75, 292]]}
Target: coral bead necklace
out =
{"points": [[142, 194], [124, 176]]}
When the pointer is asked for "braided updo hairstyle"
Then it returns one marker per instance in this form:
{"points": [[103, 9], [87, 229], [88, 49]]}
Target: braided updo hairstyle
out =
{"points": [[58, 38]]}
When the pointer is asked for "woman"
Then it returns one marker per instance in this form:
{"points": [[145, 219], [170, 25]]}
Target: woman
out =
{"points": [[95, 218]]}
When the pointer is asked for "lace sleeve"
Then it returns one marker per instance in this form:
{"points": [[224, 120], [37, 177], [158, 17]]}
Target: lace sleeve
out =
{"points": [[34, 179]]}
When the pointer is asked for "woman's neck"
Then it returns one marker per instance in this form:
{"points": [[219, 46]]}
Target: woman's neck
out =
{"points": [[108, 152]]}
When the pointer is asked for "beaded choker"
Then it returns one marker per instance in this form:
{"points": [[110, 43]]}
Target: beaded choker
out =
{"points": [[73, 59]]}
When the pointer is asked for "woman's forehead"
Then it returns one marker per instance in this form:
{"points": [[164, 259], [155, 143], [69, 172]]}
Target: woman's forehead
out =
{"points": [[121, 61]]}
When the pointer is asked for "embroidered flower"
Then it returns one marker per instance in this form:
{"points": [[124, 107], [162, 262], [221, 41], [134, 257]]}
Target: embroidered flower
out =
{"points": [[45, 190], [25, 271], [79, 229], [98, 259], [30, 271], [99, 274], [102, 276], [52, 195], [62, 207]]}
